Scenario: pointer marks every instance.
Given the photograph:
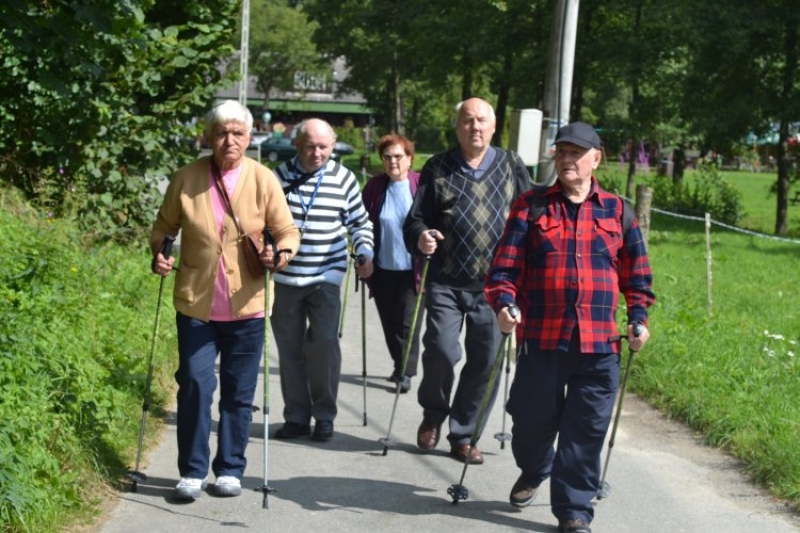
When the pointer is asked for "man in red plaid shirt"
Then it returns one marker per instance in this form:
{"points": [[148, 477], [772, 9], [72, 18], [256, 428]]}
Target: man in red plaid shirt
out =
{"points": [[564, 258]]}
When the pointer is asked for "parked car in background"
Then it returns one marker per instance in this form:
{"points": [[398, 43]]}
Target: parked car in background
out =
{"points": [[340, 149], [278, 149], [259, 137]]}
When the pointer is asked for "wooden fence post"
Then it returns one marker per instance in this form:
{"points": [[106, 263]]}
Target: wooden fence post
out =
{"points": [[709, 299], [644, 198]]}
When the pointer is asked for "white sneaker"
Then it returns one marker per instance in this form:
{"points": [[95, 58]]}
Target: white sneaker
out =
{"points": [[189, 488], [227, 486]]}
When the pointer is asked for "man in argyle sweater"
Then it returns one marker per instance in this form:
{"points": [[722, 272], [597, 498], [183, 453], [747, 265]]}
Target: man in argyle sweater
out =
{"points": [[457, 218]]}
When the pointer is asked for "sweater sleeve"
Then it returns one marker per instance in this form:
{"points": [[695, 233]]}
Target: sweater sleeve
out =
{"points": [[424, 202]]}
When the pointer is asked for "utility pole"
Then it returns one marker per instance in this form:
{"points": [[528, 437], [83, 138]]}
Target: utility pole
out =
{"points": [[558, 82], [244, 53]]}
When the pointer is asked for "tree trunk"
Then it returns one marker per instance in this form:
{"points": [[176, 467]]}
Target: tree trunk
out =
{"points": [[502, 98], [466, 75], [791, 54], [631, 183], [634, 107]]}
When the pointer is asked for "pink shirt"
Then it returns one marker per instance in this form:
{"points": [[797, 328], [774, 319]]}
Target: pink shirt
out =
{"points": [[221, 303]]}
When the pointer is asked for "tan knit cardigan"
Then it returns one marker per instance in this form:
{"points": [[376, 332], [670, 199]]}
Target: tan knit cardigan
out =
{"points": [[258, 201]]}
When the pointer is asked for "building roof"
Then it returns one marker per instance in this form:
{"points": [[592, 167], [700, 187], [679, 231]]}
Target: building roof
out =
{"points": [[312, 94]]}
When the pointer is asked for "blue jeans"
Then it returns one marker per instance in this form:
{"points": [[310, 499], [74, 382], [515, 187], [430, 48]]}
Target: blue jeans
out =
{"points": [[240, 345]]}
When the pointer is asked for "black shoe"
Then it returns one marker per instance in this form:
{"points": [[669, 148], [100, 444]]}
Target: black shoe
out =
{"points": [[394, 378], [576, 525], [405, 384], [291, 430], [323, 430], [522, 493]]}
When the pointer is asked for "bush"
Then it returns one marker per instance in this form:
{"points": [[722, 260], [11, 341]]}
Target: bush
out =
{"points": [[710, 193], [75, 337]]}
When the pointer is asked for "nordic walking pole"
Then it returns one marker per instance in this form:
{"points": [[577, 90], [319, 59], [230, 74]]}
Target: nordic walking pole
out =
{"points": [[265, 488], [406, 351], [344, 303], [361, 260], [136, 476], [503, 436], [605, 488], [458, 491]]}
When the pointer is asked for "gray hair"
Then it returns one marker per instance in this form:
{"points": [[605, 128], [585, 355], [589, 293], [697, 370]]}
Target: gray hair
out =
{"points": [[228, 111]]}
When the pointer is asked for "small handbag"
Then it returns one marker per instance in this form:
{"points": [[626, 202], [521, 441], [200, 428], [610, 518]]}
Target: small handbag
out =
{"points": [[253, 242]]}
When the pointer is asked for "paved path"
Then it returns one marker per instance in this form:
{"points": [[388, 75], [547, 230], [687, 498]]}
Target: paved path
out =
{"points": [[663, 480]]}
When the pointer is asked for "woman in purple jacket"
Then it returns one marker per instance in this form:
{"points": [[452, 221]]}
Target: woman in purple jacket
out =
{"points": [[395, 279]]}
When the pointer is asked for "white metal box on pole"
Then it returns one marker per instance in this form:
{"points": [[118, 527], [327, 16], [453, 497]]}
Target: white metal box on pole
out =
{"points": [[525, 131]]}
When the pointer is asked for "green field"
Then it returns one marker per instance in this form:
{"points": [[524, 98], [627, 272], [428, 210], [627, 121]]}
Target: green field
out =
{"points": [[726, 360]]}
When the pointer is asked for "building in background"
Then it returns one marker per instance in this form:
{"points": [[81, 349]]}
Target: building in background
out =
{"points": [[313, 96]]}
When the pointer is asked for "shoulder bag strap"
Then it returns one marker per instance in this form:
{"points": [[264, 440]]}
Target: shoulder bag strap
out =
{"points": [[221, 186]]}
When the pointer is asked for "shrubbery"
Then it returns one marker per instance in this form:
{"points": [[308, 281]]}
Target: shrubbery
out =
{"points": [[709, 193], [74, 341]]}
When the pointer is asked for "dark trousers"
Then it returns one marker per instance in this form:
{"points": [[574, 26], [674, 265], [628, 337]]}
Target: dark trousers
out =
{"points": [[448, 311], [395, 297], [305, 321], [569, 395], [240, 346]]}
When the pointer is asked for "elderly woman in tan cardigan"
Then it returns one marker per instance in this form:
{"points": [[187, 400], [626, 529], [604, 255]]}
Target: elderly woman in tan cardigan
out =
{"points": [[220, 305]]}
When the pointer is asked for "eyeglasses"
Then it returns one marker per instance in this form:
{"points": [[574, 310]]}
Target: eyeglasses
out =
{"points": [[389, 157]]}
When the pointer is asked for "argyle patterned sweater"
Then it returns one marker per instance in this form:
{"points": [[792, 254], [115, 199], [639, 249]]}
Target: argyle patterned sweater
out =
{"points": [[470, 212]]}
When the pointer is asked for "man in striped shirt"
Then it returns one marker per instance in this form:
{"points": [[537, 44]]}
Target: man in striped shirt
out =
{"points": [[325, 200], [564, 259]]}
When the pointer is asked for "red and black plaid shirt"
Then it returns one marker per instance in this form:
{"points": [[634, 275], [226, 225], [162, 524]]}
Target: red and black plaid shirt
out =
{"points": [[566, 269]]}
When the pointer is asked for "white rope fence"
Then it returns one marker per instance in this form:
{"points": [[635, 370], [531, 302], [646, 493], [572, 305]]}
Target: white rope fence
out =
{"points": [[708, 221], [726, 226]]}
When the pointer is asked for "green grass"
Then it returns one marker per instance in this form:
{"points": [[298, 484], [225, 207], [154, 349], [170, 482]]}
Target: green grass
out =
{"points": [[720, 371], [729, 367], [75, 337]]}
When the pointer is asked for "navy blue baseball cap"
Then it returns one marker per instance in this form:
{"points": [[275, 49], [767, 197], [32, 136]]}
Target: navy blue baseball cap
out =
{"points": [[580, 134]]}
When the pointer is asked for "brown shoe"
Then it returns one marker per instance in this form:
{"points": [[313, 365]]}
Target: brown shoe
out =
{"points": [[428, 434], [460, 451], [522, 493], [575, 525]]}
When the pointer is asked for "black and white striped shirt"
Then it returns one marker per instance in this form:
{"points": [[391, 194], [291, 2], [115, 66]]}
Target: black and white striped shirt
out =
{"points": [[326, 208]]}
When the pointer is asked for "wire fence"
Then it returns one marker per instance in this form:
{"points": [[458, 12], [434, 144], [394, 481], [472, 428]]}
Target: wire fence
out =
{"points": [[720, 224], [708, 222]]}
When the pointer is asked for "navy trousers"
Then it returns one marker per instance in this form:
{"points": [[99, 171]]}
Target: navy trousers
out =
{"points": [[240, 345], [569, 396]]}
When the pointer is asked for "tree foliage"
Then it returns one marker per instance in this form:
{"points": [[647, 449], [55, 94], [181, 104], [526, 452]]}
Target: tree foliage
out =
{"points": [[97, 97], [281, 46], [414, 60], [744, 77]]}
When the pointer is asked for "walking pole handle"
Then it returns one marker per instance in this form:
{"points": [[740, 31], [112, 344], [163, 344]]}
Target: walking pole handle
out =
{"points": [[637, 329], [166, 246], [166, 251], [360, 258]]}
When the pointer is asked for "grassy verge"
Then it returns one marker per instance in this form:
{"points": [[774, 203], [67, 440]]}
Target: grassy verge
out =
{"points": [[732, 373], [74, 342]]}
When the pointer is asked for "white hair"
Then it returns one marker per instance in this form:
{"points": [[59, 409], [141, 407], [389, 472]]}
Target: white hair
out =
{"points": [[228, 111]]}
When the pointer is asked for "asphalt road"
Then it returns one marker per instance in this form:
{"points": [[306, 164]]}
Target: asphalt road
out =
{"points": [[662, 478]]}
